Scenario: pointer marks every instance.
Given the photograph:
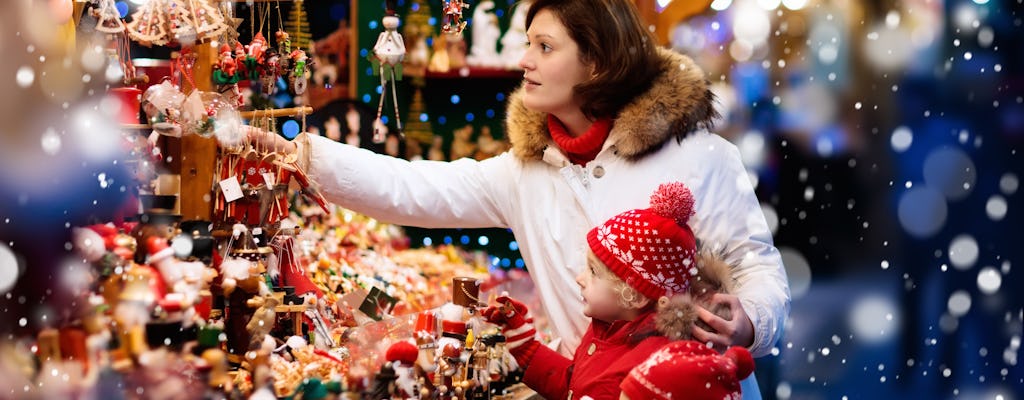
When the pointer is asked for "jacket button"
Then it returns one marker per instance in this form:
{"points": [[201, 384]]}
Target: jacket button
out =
{"points": [[598, 171], [591, 349]]}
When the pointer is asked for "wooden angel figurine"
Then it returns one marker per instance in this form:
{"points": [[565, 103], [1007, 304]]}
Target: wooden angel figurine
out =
{"points": [[387, 58]]}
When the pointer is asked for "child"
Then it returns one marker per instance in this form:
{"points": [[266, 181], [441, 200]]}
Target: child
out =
{"points": [[687, 369], [639, 261]]}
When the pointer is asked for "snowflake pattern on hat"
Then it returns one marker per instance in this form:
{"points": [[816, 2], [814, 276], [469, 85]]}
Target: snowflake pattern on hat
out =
{"points": [[651, 249], [689, 369]]}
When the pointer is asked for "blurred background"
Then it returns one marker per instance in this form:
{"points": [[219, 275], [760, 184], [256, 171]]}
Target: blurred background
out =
{"points": [[882, 138]]}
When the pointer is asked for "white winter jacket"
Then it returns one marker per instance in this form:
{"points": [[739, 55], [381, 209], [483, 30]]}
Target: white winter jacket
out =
{"points": [[550, 204]]}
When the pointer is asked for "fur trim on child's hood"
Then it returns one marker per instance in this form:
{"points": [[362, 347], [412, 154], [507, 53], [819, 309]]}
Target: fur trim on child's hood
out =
{"points": [[675, 318]]}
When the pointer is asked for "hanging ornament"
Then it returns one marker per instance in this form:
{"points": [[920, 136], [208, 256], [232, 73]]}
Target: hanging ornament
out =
{"points": [[227, 10], [227, 73], [254, 56], [180, 24], [149, 24], [298, 76], [207, 20], [453, 23], [387, 58], [272, 68], [297, 26], [108, 18]]}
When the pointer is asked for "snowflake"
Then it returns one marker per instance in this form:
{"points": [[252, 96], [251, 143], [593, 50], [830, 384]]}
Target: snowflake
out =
{"points": [[607, 238]]}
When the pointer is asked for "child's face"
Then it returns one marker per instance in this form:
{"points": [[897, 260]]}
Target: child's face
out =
{"points": [[600, 300]]}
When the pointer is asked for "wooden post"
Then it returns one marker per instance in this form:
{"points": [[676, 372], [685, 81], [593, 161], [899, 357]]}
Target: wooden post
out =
{"points": [[198, 154]]}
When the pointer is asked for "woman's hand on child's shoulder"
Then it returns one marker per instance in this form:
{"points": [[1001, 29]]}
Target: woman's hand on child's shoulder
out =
{"points": [[737, 331]]}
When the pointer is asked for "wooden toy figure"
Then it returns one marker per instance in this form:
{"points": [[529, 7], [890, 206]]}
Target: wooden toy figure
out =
{"points": [[453, 23], [387, 58], [298, 77]]}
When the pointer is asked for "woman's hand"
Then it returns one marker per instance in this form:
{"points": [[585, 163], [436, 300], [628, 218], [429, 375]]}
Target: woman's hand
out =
{"points": [[262, 139], [738, 331]]}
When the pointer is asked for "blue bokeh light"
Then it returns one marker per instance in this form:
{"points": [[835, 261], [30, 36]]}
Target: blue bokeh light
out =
{"points": [[290, 129], [122, 8]]}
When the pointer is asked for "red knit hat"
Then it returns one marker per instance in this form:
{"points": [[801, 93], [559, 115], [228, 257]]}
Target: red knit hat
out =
{"points": [[688, 369], [651, 249]]}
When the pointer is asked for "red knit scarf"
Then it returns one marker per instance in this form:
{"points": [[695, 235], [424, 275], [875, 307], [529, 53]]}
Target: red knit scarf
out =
{"points": [[584, 148]]}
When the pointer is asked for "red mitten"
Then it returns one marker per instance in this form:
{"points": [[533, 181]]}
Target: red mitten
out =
{"points": [[516, 325]]}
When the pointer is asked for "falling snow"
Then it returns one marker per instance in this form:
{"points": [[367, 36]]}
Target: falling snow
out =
{"points": [[884, 153]]}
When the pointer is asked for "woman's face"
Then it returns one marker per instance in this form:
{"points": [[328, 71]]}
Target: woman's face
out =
{"points": [[552, 67]]}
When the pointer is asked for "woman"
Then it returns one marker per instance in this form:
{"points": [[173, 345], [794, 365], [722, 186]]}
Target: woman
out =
{"points": [[602, 118]]}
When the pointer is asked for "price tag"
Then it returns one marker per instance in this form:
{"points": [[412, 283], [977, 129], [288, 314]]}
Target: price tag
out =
{"points": [[231, 188], [270, 179]]}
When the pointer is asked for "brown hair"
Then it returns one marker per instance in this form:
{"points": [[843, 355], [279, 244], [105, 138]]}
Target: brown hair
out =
{"points": [[612, 38]]}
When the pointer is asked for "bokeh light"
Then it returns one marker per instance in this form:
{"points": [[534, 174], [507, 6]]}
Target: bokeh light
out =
{"points": [[901, 139], [1008, 183], [922, 211], [50, 142], [950, 171], [9, 269], [959, 303], [771, 217], [25, 76], [290, 129], [182, 246], [874, 319], [989, 280], [798, 270], [996, 207], [888, 49], [963, 252]]}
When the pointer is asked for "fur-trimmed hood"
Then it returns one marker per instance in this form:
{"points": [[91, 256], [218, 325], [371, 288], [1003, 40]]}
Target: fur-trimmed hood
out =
{"points": [[678, 102], [676, 317]]}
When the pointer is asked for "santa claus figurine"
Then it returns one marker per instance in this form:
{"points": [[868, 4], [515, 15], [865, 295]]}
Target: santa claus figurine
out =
{"points": [[402, 355]]}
